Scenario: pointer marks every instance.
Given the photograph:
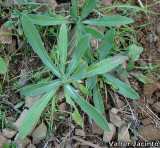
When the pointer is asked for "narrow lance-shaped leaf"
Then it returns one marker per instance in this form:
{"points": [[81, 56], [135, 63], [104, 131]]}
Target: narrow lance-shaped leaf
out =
{"points": [[94, 33], [97, 98], [79, 74], [124, 89], [79, 51], [113, 20], [73, 15], [62, 46], [48, 21], [91, 82], [3, 66], [88, 8], [34, 112], [75, 115], [104, 66], [36, 43], [39, 88], [75, 7], [106, 44], [89, 109]]}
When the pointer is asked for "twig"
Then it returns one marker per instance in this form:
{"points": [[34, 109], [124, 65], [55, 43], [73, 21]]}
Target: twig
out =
{"points": [[140, 3], [83, 141], [10, 104]]}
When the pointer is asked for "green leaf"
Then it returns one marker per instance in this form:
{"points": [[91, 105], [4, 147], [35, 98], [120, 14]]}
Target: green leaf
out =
{"points": [[134, 54], [79, 74], [88, 55], [97, 98], [94, 33], [106, 44], [81, 87], [75, 115], [79, 51], [144, 9], [124, 89], [47, 21], [142, 78], [89, 109], [62, 46], [3, 66], [35, 41], [104, 66], [91, 82], [73, 15], [113, 20], [34, 112], [75, 7], [88, 8], [40, 88]]}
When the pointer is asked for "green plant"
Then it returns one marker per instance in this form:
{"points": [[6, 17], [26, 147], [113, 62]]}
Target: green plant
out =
{"points": [[3, 66], [78, 18], [117, 85], [66, 75]]}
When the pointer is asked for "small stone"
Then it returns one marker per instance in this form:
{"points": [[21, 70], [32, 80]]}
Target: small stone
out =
{"points": [[156, 107], [150, 133], [12, 47], [5, 38], [108, 107], [8, 133], [120, 103], [62, 106], [51, 3], [143, 64], [108, 136], [30, 101], [31, 146], [79, 132], [105, 3], [158, 28], [20, 119], [39, 133], [114, 111], [147, 121], [123, 135], [96, 129], [3, 140], [115, 119], [23, 143]]}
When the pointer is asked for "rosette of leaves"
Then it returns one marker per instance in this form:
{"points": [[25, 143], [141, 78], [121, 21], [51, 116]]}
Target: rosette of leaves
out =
{"points": [[92, 82], [65, 73], [79, 18]]}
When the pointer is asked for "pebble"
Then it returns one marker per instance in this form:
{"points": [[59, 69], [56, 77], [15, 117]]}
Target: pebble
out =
{"points": [[8, 133], [23, 143], [158, 28], [79, 132], [31, 146], [39, 133], [156, 107], [123, 135], [30, 101], [96, 129], [115, 119], [20, 119], [150, 133], [108, 136], [5, 38]]}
